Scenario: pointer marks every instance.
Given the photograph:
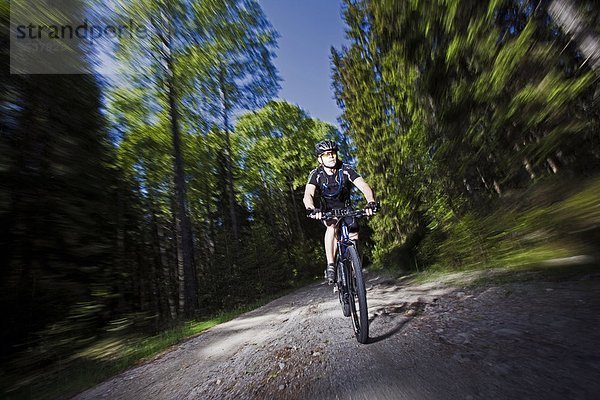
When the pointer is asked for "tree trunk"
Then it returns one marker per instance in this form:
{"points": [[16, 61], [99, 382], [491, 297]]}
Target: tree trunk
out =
{"points": [[228, 160], [167, 304], [179, 275], [295, 205], [184, 225], [570, 20], [529, 168], [553, 165]]}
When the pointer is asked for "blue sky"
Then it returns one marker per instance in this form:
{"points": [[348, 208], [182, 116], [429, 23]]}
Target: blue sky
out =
{"points": [[308, 29]]}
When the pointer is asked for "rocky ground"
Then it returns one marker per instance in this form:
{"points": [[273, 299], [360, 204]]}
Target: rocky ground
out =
{"points": [[526, 335]]}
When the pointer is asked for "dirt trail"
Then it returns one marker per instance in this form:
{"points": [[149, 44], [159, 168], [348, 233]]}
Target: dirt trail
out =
{"points": [[535, 340]]}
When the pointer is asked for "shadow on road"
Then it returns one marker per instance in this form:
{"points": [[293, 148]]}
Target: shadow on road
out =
{"points": [[408, 311], [389, 333]]}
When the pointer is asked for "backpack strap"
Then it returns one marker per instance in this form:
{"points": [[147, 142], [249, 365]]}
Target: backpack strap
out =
{"points": [[341, 182]]}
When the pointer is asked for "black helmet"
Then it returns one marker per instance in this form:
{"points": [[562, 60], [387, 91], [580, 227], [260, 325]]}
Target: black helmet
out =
{"points": [[325, 145]]}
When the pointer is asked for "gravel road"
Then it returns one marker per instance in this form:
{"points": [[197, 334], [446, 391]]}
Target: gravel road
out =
{"points": [[521, 340]]}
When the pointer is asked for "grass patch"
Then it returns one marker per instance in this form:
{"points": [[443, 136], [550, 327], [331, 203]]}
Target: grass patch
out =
{"points": [[538, 273], [550, 231], [555, 271], [103, 359], [552, 221]]}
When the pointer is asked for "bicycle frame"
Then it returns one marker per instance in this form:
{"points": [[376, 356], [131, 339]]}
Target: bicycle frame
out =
{"points": [[350, 283], [343, 238], [343, 243], [343, 235]]}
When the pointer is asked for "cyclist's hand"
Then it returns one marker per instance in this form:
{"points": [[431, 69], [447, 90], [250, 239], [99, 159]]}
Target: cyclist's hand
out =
{"points": [[314, 213], [371, 208]]}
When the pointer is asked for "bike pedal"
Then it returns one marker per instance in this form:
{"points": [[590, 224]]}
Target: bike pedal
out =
{"points": [[335, 289]]}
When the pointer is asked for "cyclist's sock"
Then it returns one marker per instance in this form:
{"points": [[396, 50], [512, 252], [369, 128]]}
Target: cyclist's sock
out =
{"points": [[330, 273]]}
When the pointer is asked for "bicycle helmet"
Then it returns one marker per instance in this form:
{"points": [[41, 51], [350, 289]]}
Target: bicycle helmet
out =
{"points": [[325, 145]]}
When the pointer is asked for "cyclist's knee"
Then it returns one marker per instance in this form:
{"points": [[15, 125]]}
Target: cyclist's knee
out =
{"points": [[330, 228]]}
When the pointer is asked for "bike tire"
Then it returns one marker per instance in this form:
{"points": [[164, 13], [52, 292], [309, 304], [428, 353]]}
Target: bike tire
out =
{"points": [[343, 291], [358, 296]]}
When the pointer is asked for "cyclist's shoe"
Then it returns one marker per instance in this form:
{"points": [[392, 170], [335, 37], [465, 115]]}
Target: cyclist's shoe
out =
{"points": [[330, 274]]}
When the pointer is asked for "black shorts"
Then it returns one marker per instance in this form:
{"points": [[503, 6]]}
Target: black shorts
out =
{"points": [[350, 221]]}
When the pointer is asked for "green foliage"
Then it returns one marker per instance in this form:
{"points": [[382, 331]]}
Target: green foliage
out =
{"points": [[58, 282], [453, 104], [277, 152], [552, 220], [228, 65], [94, 241], [103, 358]]}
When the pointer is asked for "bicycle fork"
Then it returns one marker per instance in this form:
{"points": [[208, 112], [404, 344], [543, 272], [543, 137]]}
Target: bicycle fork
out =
{"points": [[341, 272]]}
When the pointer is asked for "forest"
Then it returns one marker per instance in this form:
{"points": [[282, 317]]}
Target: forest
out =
{"points": [[173, 193]]}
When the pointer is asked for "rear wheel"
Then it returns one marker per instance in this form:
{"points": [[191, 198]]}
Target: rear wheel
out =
{"points": [[358, 296]]}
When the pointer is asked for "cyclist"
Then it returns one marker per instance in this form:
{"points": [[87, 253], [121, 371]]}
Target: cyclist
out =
{"points": [[332, 180]]}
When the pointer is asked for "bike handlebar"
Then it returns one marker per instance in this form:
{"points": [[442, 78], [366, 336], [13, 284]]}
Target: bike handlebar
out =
{"points": [[344, 212]]}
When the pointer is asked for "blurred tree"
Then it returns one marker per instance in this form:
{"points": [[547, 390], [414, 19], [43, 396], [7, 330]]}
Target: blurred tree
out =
{"points": [[277, 152], [231, 64], [467, 101], [56, 208], [145, 158], [200, 64], [580, 21], [155, 59]]}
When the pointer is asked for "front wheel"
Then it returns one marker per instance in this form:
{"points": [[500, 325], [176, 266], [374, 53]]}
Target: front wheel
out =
{"points": [[358, 296], [342, 279]]}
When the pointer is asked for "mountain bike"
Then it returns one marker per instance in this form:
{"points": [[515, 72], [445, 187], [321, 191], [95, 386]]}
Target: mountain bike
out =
{"points": [[350, 283]]}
